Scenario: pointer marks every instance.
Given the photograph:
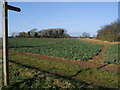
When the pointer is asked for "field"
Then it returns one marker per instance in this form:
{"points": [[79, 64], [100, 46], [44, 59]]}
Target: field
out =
{"points": [[112, 54], [62, 63], [65, 48], [24, 77], [92, 77]]}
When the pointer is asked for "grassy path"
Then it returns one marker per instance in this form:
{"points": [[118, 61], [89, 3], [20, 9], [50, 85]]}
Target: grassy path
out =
{"points": [[110, 67], [91, 76], [100, 57], [26, 77]]}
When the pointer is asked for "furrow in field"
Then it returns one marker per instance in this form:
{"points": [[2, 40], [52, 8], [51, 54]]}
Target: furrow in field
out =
{"points": [[72, 62]]}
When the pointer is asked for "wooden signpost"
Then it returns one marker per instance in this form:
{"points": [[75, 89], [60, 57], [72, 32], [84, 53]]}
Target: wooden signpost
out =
{"points": [[5, 8]]}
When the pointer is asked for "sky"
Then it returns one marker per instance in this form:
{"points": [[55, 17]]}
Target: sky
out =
{"points": [[75, 17], [63, 0]]}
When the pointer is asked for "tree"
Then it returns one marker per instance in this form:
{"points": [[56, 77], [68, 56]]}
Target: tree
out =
{"points": [[14, 34], [36, 34], [53, 33], [32, 32], [29, 34], [47, 33], [109, 32], [23, 34]]}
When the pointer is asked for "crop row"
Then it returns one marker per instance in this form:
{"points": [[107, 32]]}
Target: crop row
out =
{"points": [[112, 54], [65, 48]]}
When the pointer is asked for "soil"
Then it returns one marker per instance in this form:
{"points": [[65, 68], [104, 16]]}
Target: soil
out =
{"points": [[110, 67]]}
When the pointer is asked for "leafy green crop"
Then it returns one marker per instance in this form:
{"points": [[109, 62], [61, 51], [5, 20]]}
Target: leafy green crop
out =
{"points": [[65, 48], [112, 54]]}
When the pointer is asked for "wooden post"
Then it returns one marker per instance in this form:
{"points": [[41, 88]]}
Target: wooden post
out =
{"points": [[5, 8], [5, 42]]}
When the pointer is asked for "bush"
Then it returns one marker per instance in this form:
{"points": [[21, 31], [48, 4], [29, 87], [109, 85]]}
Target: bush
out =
{"points": [[109, 32]]}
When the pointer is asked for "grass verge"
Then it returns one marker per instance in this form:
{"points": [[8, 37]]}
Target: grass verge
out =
{"points": [[22, 77], [90, 76]]}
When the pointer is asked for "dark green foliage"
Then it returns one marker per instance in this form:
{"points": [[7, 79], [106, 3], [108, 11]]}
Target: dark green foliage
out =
{"points": [[47, 33], [109, 32], [35, 34], [54, 33], [23, 35], [66, 48], [112, 54]]}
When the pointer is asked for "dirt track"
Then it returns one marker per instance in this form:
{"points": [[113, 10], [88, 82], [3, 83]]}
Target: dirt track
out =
{"points": [[95, 62], [110, 67]]}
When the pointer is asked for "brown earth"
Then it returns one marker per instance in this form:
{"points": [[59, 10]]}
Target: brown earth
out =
{"points": [[72, 62]]}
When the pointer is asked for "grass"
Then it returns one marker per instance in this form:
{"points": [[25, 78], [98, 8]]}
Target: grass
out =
{"points": [[73, 49], [90, 76], [22, 77], [31, 72], [112, 54]]}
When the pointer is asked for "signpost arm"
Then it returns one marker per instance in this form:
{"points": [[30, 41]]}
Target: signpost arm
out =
{"points": [[13, 8], [5, 42]]}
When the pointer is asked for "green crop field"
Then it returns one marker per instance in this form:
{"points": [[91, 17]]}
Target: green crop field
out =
{"points": [[73, 49], [33, 72], [112, 54]]}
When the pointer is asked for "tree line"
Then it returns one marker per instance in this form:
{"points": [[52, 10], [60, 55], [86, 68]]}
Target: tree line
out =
{"points": [[46, 33], [110, 32]]}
